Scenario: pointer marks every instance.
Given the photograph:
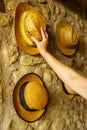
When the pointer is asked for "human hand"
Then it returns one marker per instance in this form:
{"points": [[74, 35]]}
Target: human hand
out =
{"points": [[41, 45]]}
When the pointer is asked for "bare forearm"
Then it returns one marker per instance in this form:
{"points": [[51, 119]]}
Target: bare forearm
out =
{"points": [[77, 82], [63, 71]]}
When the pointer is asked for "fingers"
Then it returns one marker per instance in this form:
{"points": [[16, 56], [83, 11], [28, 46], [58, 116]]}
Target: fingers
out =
{"points": [[34, 40], [44, 37], [44, 34]]}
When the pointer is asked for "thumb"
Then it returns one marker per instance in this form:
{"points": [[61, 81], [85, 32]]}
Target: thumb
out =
{"points": [[34, 40]]}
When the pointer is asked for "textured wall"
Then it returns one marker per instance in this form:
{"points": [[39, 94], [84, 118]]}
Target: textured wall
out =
{"points": [[60, 114]]}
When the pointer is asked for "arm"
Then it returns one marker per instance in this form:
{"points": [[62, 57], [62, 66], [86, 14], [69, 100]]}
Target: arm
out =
{"points": [[77, 82]]}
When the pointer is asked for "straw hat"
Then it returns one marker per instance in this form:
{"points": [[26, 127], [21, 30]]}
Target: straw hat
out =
{"points": [[28, 22], [30, 97], [67, 38], [66, 90]]}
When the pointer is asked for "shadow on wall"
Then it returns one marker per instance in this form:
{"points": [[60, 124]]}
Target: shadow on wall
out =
{"points": [[2, 7], [78, 6]]}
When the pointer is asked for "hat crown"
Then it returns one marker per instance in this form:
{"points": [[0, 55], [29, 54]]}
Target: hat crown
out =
{"points": [[36, 96], [30, 24], [67, 38], [68, 35]]}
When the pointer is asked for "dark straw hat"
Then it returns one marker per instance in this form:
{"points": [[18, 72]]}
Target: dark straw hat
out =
{"points": [[30, 97]]}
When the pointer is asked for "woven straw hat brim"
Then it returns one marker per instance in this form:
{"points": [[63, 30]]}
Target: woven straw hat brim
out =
{"points": [[69, 89], [27, 115], [21, 8], [64, 50], [67, 96]]}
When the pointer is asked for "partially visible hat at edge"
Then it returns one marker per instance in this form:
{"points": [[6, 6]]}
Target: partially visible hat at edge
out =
{"points": [[67, 38], [66, 91]]}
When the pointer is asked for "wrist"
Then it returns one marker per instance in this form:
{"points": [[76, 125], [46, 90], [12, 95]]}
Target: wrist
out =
{"points": [[44, 53]]}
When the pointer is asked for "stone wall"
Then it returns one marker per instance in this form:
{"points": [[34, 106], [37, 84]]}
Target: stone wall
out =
{"points": [[60, 114]]}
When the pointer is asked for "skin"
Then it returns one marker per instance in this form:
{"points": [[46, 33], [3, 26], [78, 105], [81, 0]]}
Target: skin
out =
{"points": [[70, 77]]}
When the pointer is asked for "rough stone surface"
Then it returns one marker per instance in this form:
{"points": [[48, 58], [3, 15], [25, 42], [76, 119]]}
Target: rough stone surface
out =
{"points": [[60, 113]]}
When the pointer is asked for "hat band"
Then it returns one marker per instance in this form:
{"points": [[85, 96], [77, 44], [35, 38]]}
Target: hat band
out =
{"points": [[71, 46], [65, 90], [21, 97]]}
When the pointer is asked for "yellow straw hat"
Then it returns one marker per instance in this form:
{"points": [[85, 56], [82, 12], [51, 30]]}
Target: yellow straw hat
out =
{"points": [[28, 22], [66, 90], [67, 38], [30, 97]]}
